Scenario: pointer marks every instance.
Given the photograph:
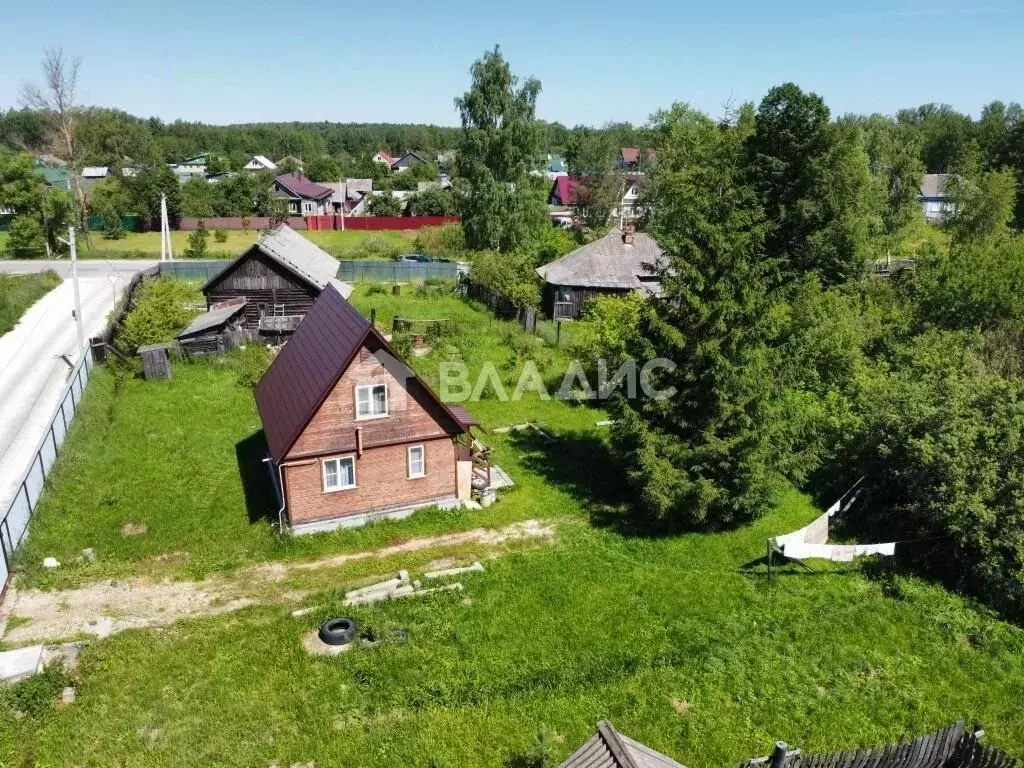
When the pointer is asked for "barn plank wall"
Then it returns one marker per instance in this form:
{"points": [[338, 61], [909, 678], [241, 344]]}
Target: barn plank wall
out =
{"points": [[261, 281]]}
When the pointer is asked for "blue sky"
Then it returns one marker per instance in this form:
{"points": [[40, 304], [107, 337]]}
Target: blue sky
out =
{"points": [[399, 61]]}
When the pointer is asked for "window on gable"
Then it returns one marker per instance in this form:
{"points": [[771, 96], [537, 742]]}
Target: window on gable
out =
{"points": [[417, 461], [371, 401], [339, 474]]}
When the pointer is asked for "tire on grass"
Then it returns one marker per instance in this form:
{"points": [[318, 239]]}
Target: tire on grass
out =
{"points": [[337, 631]]}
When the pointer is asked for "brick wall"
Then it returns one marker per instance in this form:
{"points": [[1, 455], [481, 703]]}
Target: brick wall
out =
{"points": [[382, 483]]}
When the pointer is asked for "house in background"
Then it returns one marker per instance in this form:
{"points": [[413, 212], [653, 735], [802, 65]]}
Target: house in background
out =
{"points": [[935, 203], [305, 197], [952, 747], [635, 159], [445, 157], [94, 174], [556, 167], [563, 192], [53, 174], [191, 167], [406, 161], [353, 433], [350, 196], [383, 158], [279, 277], [619, 263], [258, 163]]}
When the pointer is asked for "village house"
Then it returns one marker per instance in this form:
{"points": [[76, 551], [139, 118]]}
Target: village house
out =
{"points": [[406, 161], [350, 196], [565, 191], [258, 163], [952, 747], [619, 263], [635, 159], [383, 158], [353, 433], [935, 203], [305, 197], [278, 278]]}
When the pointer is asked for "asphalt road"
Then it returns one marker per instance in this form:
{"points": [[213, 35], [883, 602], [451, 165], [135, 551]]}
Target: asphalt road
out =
{"points": [[32, 372]]}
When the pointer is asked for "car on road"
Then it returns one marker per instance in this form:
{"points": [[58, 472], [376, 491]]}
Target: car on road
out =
{"points": [[421, 258]]}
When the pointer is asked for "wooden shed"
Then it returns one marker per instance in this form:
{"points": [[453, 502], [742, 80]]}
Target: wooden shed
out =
{"points": [[279, 278], [618, 263], [218, 329]]}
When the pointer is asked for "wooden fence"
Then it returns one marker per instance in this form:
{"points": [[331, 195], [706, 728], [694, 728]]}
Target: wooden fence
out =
{"points": [[330, 223]]}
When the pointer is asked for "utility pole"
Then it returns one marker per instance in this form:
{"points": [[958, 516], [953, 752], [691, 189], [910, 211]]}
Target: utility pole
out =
{"points": [[78, 300], [166, 254]]}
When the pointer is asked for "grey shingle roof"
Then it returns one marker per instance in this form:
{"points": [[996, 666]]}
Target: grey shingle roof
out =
{"points": [[210, 319], [934, 184], [608, 262], [298, 254], [610, 749]]}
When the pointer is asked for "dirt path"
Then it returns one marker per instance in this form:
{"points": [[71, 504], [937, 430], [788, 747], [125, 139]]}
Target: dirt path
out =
{"points": [[104, 608]]}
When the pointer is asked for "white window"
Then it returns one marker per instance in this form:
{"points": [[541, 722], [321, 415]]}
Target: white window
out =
{"points": [[372, 401], [339, 474], [417, 462]]}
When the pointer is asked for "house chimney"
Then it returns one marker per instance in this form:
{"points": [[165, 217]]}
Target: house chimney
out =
{"points": [[628, 232]]}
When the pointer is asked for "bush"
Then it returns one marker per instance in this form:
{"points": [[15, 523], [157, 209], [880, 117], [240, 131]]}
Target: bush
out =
{"points": [[25, 239], [197, 242], [34, 695], [607, 330], [447, 242], [220, 236], [113, 227], [161, 310], [249, 364], [376, 289]]}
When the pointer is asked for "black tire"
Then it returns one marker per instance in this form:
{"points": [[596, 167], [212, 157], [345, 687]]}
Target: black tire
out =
{"points": [[337, 631]]}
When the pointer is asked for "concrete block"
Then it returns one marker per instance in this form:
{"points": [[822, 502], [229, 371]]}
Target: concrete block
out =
{"points": [[89, 555], [475, 567], [380, 586], [67, 696], [376, 597], [20, 663], [51, 562]]}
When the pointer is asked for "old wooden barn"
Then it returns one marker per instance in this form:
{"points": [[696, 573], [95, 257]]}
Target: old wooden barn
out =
{"points": [[279, 278], [618, 263]]}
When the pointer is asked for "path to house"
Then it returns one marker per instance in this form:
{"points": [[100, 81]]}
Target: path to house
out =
{"points": [[104, 608], [32, 373]]}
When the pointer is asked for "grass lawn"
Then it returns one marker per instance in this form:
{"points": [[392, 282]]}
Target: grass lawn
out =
{"points": [[19, 292], [343, 245], [680, 641]]}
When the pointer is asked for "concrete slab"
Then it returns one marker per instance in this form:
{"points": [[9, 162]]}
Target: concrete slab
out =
{"points": [[475, 567], [20, 663]]}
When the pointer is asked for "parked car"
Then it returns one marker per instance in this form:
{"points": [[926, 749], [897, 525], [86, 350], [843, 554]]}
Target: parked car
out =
{"points": [[422, 258]]}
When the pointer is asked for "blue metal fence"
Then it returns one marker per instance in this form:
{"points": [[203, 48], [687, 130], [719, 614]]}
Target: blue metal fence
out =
{"points": [[396, 271]]}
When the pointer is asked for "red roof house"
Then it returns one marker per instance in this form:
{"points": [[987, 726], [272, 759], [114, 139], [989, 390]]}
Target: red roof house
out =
{"points": [[564, 191], [305, 197], [353, 433]]}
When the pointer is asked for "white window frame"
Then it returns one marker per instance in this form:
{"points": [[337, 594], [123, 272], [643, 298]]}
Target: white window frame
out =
{"points": [[423, 462], [371, 415], [339, 460]]}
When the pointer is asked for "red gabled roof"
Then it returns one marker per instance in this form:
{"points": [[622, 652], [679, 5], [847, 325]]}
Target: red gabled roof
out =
{"points": [[630, 154], [565, 189], [300, 186], [386, 157], [306, 371]]}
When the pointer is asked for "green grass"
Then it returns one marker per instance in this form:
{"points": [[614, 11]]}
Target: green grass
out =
{"points": [[19, 292], [343, 245], [680, 641]]}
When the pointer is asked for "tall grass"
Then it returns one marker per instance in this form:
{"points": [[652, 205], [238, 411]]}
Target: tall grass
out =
{"points": [[19, 292]]}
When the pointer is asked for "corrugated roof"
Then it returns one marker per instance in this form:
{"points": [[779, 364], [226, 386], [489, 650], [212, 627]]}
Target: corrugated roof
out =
{"points": [[210, 319], [934, 184], [630, 154], [305, 371], [302, 187], [309, 366], [610, 749], [95, 172], [565, 190], [608, 262], [290, 249], [263, 161]]}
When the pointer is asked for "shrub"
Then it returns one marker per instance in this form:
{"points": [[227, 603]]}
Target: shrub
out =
{"points": [[197, 242], [161, 310], [607, 329], [25, 239], [376, 289], [249, 364], [113, 227], [220, 236], [34, 695]]}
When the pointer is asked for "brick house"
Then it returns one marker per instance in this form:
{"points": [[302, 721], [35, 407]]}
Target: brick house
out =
{"points": [[353, 433]]}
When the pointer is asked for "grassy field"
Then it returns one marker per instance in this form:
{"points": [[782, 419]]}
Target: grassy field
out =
{"points": [[19, 292], [344, 245], [680, 641]]}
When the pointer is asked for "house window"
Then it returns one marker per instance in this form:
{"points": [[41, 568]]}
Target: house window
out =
{"points": [[372, 401], [417, 461], [339, 474]]}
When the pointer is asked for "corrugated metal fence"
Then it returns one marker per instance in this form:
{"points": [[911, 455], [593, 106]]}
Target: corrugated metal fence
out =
{"points": [[396, 271], [14, 523], [202, 269]]}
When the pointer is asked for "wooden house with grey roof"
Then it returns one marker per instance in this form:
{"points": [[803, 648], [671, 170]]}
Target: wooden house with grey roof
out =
{"points": [[617, 264], [951, 747], [279, 277]]}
